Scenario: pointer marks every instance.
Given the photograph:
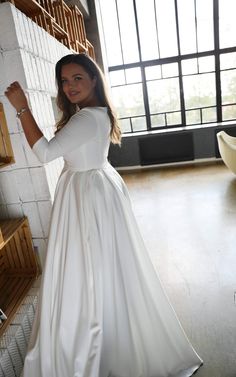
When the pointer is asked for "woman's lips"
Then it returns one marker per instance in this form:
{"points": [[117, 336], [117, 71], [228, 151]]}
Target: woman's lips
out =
{"points": [[72, 94]]}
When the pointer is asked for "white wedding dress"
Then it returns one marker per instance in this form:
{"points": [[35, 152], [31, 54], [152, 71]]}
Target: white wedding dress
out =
{"points": [[102, 311]]}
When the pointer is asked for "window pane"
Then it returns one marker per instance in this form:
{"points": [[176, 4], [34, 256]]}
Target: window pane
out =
{"points": [[173, 118], [228, 60], [127, 31], [227, 24], [153, 72], [193, 117], [139, 124], [125, 125], [199, 90], [205, 25], [147, 30], [111, 32], [163, 95], [133, 75], [158, 120], [228, 86], [209, 115], [166, 27], [206, 64], [117, 77], [187, 29], [189, 66], [229, 112], [170, 70], [128, 100]]}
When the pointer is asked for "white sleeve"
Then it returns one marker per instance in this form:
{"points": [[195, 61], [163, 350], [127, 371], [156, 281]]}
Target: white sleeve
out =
{"points": [[80, 129]]}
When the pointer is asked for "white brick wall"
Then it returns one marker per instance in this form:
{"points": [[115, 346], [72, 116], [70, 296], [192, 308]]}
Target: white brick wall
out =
{"points": [[28, 55]]}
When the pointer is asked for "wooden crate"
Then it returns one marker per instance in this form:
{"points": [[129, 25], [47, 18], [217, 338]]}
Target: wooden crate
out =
{"points": [[18, 266], [6, 152]]}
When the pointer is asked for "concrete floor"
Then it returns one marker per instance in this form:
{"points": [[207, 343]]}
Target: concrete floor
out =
{"points": [[187, 216]]}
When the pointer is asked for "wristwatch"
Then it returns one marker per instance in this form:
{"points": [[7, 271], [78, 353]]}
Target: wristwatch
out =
{"points": [[21, 111]]}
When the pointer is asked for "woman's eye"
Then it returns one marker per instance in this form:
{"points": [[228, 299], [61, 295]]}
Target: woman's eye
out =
{"points": [[77, 78], [63, 81]]}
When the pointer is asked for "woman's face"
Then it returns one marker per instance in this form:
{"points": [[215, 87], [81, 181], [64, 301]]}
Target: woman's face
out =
{"points": [[77, 85]]}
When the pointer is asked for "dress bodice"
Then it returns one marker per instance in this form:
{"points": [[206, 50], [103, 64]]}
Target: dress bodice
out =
{"points": [[83, 141]]}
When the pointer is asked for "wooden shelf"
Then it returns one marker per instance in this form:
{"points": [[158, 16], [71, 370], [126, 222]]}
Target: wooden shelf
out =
{"points": [[62, 21], [6, 152], [18, 266]]}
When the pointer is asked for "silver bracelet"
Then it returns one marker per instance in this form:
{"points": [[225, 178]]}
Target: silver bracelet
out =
{"points": [[21, 111]]}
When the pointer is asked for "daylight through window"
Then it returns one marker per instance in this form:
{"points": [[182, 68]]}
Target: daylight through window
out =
{"points": [[171, 62]]}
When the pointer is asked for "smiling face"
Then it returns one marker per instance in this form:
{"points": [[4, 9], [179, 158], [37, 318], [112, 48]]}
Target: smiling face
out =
{"points": [[78, 86]]}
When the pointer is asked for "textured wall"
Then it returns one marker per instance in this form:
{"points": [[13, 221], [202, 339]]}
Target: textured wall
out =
{"points": [[28, 54]]}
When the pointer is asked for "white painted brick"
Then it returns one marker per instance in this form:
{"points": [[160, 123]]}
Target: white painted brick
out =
{"points": [[37, 40], [3, 83], [19, 152], [45, 210], [20, 27], [9, 187], [8, 37], [24, 184], [45, 104], [40, 183], [27, 67], [14, 210], [46, 71], [31, 211], [39, 73], [28, 41], [14, 69], [41, 245], [31, 32], [40, 33], [33, 101], [42, 110], [36, 82], [2, 198], [3, 212]]}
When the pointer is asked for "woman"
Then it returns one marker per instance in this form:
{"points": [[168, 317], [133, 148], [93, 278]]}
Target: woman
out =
{"points": [[102, 311]]}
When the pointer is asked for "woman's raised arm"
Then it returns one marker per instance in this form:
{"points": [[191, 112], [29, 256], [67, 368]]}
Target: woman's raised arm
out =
{"points": [[17, 98]]}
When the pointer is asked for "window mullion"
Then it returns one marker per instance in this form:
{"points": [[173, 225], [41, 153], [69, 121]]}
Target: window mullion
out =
{"points": [[181, 88], [217, 61]]}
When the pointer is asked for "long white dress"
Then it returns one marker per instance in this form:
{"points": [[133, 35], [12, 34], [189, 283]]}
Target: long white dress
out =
{"points": [[102, 311]]}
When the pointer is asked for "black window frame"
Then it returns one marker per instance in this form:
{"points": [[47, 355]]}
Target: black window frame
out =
{"points": [[177, 59]]}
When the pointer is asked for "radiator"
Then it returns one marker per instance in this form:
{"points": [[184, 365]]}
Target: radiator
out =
{"points": [[164, 148]]}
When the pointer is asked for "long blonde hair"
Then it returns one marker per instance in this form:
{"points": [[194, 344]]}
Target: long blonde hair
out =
{"points": [[68, 109]]}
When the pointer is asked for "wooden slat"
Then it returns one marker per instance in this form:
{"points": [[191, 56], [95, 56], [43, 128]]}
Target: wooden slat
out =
{"points": [[6, 152], [62, 21], [18, 266], [24, 286], [8, 228], [9, 257]]}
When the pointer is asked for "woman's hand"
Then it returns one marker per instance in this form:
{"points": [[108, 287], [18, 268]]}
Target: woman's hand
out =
{"points": [[16, 96]]}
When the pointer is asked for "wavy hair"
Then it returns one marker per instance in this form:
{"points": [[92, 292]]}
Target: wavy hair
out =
{"points": [[68, 109]]}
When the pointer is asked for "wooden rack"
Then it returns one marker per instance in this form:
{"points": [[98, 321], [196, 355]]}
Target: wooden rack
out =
{"points": [[6, 152], [62, 21], [19, 266]]}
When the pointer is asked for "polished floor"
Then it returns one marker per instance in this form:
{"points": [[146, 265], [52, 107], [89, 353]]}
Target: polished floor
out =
{"points": [[187, 216]]}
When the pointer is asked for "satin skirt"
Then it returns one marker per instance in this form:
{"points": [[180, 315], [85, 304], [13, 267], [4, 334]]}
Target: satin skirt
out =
{"points": [[102, 310]]}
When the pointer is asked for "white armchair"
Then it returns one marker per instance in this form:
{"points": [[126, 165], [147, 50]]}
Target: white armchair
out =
{"points": [[227, 148]]}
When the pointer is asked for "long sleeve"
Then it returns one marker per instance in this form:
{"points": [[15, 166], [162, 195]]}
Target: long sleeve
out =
{"points": [[80, 129]]}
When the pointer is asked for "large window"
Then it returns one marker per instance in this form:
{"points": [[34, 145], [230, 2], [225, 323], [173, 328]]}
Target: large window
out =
{"points": [[171, 63]]}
